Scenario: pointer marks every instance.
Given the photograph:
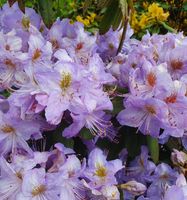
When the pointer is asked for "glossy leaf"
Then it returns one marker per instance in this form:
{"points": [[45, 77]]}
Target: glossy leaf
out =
{"points": [[46, 10], [124, 7], [109, 16], [103, 3], [85, 134], [167, 27], [117, 19], [153, 148]]}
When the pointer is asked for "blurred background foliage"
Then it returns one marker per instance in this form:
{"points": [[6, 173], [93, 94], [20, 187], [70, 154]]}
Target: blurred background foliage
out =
{"points": [[158, 16]]}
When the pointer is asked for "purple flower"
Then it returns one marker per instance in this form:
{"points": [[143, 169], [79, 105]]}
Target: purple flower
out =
{"points": [[163, 176], [178, 191], [148, 115], [10, 181], [140, 169], [40, 50], [12, 60], [36, 186], [177, 62], [149, 80], [13, 18], [177, 103], [71, 186], [77, 48], [89, 113], [14, 133], [100, 172]]}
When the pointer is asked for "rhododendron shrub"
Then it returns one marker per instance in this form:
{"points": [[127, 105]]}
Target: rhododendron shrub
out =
{"points": [[79, 121]]}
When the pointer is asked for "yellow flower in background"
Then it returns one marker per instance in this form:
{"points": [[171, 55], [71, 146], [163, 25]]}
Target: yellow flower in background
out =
{"points": [[143, 21], [134, 22], [88, 20], [156, 13], [145, 5], [91, 18]]}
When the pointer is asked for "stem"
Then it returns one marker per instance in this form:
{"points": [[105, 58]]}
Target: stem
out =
{"points": [[123, 36]]}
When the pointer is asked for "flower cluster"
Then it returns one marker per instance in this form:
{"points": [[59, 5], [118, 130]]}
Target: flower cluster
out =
{"points": [[154, 70], [52, 77], [65, 78], [162, 181], [58, 71], [58, 174]]}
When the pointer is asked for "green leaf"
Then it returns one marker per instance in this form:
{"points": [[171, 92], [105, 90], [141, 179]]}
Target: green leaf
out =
{"points": [[153, 148], [85, 134], [46, 11], [103, 3], [167, 27], [131, 5], [87, 4], [118, 105], [66, 141], [109, 16], [184, 6], [117, 19], [124, 7]]}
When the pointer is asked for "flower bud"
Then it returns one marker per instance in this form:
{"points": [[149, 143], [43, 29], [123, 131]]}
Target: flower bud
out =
{"points": [[134, 187], [179, 158]]}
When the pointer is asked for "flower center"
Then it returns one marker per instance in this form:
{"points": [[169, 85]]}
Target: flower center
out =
{"points": [[150, 109], [164, 176], [171, 99], [9, 63], [55, 44], [66, 81], [79, 46], [111, 46], [38, 190], [25, 22], [151, 78], [101, 171], [8, 129], [19, 175], [176, 64], [7, 47], [36, 54]]}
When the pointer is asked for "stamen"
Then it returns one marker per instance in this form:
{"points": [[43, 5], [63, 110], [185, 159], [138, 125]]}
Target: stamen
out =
{"points": [[101, 128], [36, 55], [7, 129], [176, 64], [171, 99], [55, 44], [66, 81], [19, 175], [7, 47], [111, 46], [38, 190], [101, 171], [150, 109], [25, 22], [9, 63], [151, 78], [79, 46]]}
